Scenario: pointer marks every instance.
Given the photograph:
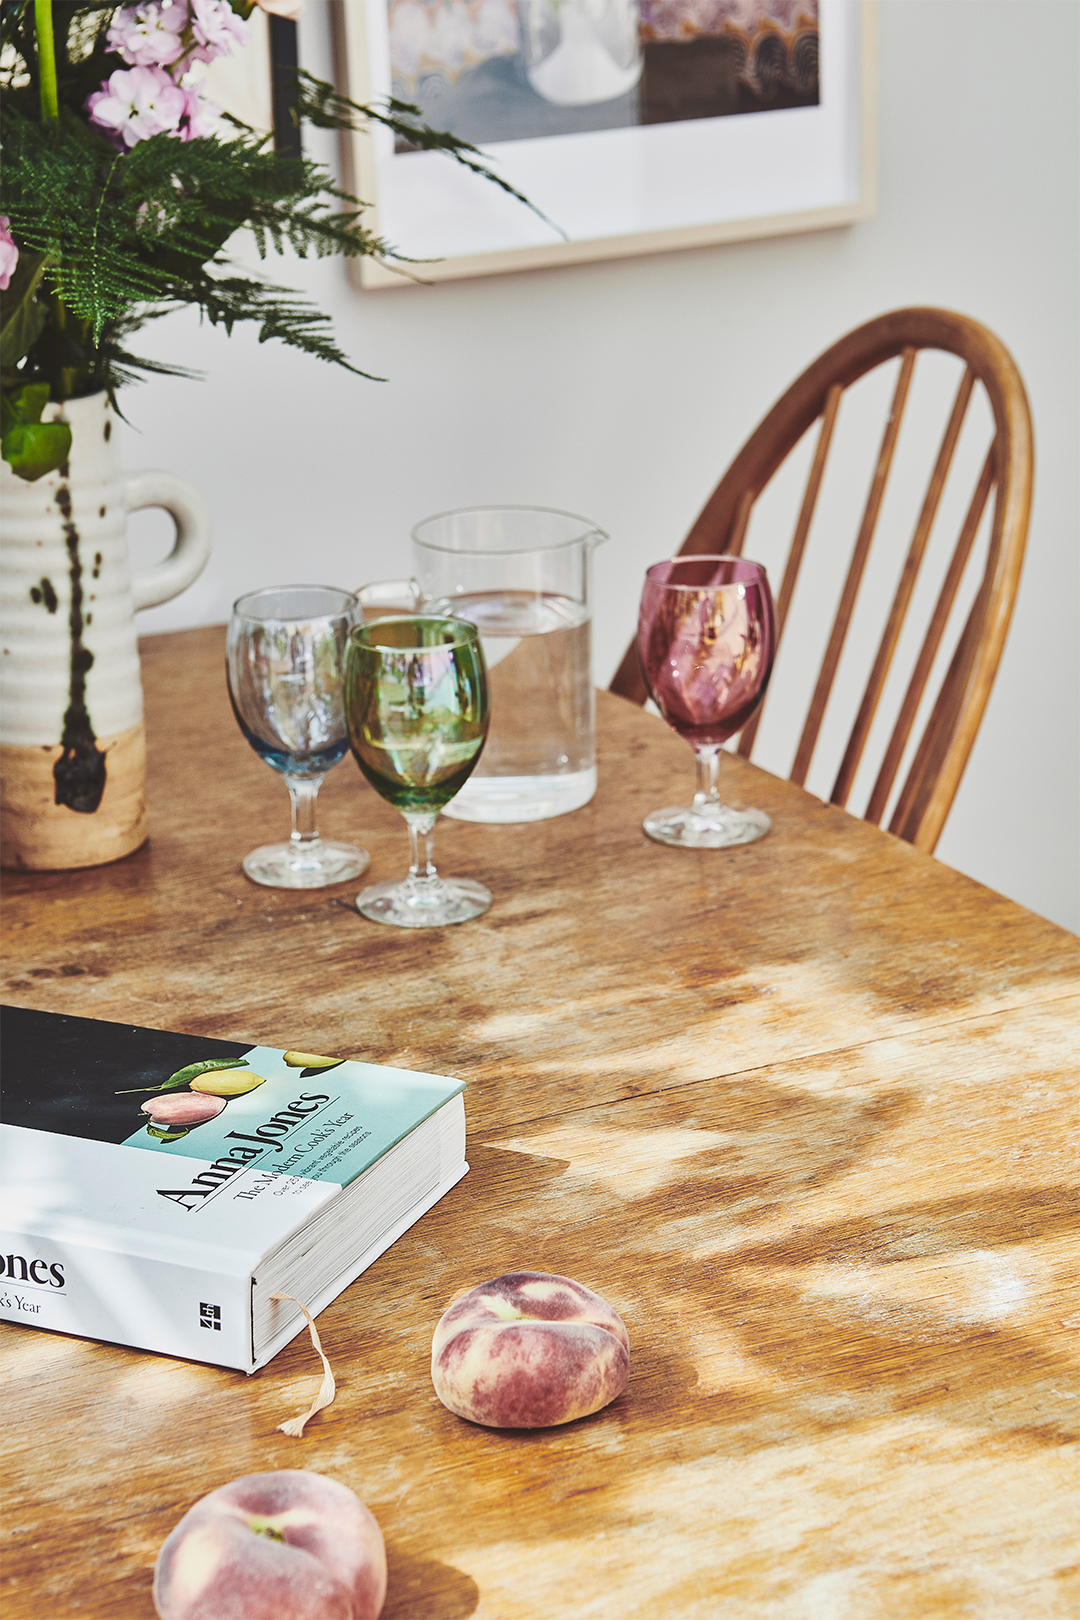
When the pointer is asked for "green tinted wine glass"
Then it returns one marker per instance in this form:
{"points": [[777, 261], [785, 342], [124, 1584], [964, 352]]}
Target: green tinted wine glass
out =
{"points": [[416, 707]]}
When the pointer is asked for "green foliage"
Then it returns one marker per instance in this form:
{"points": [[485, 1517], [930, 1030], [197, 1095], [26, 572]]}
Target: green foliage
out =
{"points": [[30, 446], [111, 239], [324, 108], [120, 235]]}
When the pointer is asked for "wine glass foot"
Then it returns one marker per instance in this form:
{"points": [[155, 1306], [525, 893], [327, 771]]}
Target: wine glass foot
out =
{"points": [[305, 866], [687, 827], [449, 900]]}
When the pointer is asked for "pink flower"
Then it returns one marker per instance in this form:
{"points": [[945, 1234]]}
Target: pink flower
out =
{"points": [[9, 254], [132, 106], [216, 28], [149, 35], [198, 118]]}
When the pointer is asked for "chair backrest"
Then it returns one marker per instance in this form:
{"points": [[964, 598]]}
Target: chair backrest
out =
{"points": [[942, 753]]}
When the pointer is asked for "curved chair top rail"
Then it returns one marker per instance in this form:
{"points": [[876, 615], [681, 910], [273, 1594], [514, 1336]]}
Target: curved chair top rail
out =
{"points": [[943, 751]]}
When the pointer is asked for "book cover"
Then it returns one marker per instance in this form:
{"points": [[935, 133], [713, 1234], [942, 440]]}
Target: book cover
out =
{"points": [[157, 1188]]}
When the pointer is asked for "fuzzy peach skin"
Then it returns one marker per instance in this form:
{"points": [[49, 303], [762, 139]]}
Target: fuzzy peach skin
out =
{"points": [[529, 1350], [289, 1545]]}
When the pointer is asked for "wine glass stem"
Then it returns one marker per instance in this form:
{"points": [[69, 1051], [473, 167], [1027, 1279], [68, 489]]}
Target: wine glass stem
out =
{"points": [[708, 773], [303, 791], [421, 824]]}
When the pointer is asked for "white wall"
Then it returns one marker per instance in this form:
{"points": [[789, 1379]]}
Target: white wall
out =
{"points": [[620, 390]]}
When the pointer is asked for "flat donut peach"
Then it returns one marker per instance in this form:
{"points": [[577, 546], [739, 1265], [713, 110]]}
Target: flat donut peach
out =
{"points": [[285, 1545], [529, 1350]]}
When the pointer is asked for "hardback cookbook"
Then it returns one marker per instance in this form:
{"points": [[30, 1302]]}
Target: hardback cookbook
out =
{"points": [[158, 1188]]}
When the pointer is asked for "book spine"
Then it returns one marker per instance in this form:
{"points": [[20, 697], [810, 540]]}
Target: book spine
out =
{"points": [[149, 1304]]}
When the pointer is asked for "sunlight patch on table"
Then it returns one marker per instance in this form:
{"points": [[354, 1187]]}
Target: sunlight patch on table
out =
{"points": [[157, 1381], [621, 1158], [972, 1285]]}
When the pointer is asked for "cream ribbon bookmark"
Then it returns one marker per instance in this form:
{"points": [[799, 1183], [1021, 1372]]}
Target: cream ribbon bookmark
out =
{"points": [[327, 1389]]}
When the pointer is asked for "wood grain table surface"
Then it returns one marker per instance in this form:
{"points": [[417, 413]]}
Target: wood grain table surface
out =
{"points": [[804, 1112]]}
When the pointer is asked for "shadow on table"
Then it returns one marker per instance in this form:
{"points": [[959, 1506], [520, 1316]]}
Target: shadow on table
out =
{"points": [[421, 1588]]}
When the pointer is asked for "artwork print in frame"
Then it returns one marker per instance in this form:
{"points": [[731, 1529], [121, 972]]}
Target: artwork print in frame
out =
{"points": [[634, 126]]}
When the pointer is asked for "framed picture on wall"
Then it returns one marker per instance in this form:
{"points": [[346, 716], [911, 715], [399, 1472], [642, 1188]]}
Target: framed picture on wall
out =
{"points": [[633, 126]]}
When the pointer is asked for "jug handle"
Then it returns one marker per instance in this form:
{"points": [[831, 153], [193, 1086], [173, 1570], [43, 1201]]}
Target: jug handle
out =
{"points": [[191, 548]]}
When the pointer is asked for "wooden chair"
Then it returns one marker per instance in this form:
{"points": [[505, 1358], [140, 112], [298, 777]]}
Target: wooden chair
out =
{"points": [[942, 753]]}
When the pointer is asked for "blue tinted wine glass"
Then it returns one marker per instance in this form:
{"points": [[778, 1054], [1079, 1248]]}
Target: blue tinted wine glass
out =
{"points": [[284, 661]]}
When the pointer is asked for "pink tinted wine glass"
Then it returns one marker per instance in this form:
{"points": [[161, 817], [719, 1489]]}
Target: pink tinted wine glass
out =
{"points": [[706, 638]]}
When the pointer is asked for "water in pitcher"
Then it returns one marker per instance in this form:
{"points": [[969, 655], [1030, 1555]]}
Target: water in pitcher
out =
{"points": [[539, 758]]}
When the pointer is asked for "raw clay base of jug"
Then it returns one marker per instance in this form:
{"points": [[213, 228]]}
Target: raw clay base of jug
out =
{"points": [[37, 834]]}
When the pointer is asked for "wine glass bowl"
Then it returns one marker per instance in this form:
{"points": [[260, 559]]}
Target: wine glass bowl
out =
{"points": [[416, 707], [706, 640], [284, 666]]}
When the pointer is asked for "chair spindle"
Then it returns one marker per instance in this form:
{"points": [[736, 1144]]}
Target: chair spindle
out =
{"points": [[928, 652], [853, 753], [808, 740], [739, 527], [798, 542]]}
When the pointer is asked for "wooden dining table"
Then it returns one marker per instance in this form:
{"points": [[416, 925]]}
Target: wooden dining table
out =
{"points": [[803, 1112]]}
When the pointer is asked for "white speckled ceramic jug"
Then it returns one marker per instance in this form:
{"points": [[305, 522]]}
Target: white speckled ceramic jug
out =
{"points": [[72, 743]]}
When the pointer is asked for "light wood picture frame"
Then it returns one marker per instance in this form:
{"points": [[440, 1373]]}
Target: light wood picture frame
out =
{"points": [[618, 191]]}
